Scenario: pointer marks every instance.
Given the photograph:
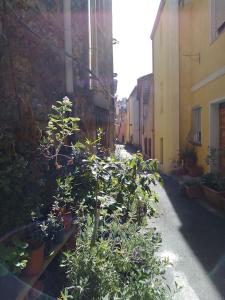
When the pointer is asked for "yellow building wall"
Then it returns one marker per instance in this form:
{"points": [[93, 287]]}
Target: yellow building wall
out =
{"points": [[146, 114], [127, 118], [195, 38], [166, 85]]}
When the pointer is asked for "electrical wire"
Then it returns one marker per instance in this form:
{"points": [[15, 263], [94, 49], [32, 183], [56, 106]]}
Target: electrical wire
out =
{"points": [[74, 58]]}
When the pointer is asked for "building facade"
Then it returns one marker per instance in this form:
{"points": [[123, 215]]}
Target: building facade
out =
{"points": [[133, 121], [202, 76], [189, 76], [120, 120], [165, 37], [145, 98], [53, 49]]}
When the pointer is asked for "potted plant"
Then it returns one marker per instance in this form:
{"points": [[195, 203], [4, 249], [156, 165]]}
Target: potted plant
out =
{"points": [[193, 189], [188, 160], [36, 237], [213, 159], [188, 156], [213, 185]]}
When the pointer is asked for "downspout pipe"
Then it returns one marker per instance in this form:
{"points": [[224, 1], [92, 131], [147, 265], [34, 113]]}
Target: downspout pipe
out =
{"points": [[68, 46]]}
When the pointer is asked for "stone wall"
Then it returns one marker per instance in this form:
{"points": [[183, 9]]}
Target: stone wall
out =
{"points": [[32, 65]]}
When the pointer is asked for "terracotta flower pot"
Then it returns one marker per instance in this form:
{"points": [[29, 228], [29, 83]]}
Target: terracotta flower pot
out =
{"points": [[71, 243], [67, 219], [214, 197], [35, 261]]}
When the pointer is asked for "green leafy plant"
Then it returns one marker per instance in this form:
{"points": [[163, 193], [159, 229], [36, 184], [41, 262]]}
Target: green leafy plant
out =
{"points": [[20, 191], [214, 181], [97, 180], [61, 126], [13, 257], [188, 155], [122, 266], [52, 225], [213, 157], [110, 199]]}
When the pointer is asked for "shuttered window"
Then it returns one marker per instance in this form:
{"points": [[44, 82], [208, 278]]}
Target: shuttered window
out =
{"points": [[196, 126], [217, 18]]}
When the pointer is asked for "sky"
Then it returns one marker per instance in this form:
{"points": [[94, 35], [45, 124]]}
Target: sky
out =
{"points": [[132, 25]]}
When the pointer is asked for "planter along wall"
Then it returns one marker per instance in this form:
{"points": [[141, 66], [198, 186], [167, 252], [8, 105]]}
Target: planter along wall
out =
{"points": [[213, 197]]}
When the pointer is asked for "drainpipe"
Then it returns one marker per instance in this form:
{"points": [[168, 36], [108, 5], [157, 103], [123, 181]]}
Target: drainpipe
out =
{"points": [[68, 46]]}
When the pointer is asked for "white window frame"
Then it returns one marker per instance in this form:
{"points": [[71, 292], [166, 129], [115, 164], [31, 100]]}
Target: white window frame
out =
{"points": [[214, 34], [214, 126]]}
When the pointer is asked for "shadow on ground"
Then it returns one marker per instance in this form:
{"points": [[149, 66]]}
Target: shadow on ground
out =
{"points": [[203, 231]]}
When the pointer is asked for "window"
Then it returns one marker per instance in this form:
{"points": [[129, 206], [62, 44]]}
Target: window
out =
{"points": [[146, 91], [196, 126], [217, 18]]}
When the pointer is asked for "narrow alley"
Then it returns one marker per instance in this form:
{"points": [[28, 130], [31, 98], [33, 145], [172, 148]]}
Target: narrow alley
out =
{"points": [[192, 239], [84, 86]]}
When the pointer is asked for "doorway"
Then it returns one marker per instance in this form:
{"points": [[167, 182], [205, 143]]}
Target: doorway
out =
{"points": [[222, 136], [217, 134]]}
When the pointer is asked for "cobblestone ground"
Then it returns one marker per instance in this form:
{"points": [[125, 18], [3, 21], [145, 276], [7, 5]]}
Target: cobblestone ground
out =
{"points": [[193, 240]]}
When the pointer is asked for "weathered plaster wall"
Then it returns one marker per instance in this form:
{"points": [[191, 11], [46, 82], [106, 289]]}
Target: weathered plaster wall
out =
{"points": [[32, 65], [31, 68], [146, 112], [134, 124]]}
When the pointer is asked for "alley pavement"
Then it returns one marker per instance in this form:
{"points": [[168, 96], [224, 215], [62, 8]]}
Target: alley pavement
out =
{"points": [[193, 239]]}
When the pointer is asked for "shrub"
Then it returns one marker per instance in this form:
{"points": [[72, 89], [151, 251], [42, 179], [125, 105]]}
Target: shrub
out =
{"points": [[116, 254], [21, 192], [122, 266], [188, 155], [214, 181]]}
